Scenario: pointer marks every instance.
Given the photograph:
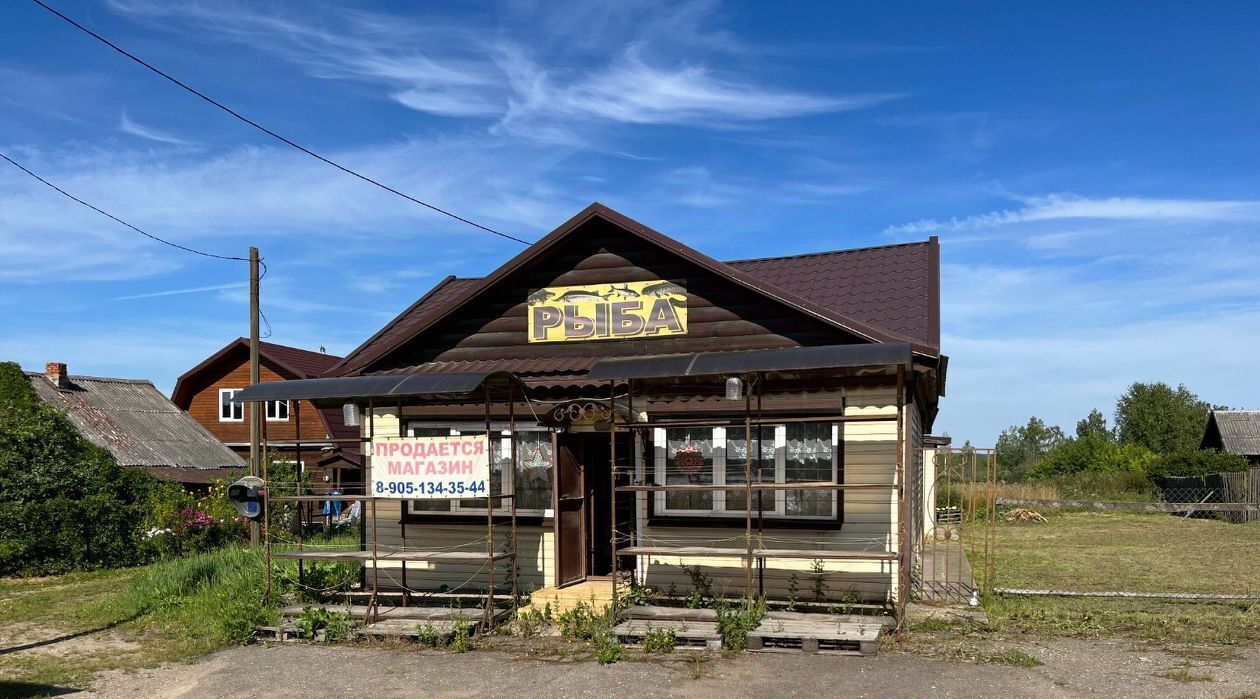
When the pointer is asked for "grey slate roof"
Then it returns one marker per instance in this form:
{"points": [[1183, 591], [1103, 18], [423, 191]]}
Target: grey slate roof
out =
{"points": [[138, 425], [1239, 431]]}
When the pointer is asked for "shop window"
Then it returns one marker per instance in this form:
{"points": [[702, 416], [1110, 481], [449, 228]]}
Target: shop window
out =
{"points": [[533, 492], [800, 452], [230, 409]]}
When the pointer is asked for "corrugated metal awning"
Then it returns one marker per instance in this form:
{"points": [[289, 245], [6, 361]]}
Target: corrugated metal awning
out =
{"points": [[752, 361], [366, 386]]}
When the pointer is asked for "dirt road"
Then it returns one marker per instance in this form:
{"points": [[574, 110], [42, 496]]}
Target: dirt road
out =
{"points": [[1071, 669]]}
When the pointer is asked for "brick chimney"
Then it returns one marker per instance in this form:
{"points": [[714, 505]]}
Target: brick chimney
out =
{"points": [[57, 375]]}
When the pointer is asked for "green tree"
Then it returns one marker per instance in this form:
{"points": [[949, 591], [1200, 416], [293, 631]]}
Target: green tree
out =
{"points": [[1021, 447], [64, 502], [1161, 418], [1093, 424]]}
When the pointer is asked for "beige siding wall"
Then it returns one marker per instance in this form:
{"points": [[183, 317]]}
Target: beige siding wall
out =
{"points": [[870, 524]]}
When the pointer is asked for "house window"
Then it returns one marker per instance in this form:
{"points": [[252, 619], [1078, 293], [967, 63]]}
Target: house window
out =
{"points": [[800, 452], [230, 409], [277, 411], [533, 465]]}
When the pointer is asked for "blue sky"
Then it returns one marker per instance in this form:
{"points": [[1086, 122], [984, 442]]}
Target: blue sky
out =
{"points": [[1089, 167]]}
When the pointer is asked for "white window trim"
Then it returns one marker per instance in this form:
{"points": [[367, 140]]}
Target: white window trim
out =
{"points": [[267, 410], [505, 445], [232, 394], [718, 506]]}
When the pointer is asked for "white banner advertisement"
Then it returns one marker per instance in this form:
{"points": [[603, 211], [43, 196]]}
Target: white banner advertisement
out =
{"points": [[430, 468]]}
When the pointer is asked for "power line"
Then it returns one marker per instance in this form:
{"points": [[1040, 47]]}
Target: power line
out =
{"points": [[271, 133], [119, 220]]}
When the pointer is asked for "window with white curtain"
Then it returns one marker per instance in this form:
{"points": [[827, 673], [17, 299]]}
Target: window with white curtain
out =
{"points": [[797, 452]]}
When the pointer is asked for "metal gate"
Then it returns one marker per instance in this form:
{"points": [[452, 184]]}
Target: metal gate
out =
{"points": [[952, 554]]}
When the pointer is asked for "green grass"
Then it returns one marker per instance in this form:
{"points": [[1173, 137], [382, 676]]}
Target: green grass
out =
{"points": [[167, 612], [1130, 552]]}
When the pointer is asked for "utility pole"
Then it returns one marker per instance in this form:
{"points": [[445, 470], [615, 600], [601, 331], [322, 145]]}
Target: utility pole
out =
{"points": [[255, 416]]}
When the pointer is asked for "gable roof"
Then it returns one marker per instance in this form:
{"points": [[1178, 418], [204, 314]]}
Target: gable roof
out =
{"points": [[1239, 431], [795, 281], [290, 362], [138, 425], [294, 362]]}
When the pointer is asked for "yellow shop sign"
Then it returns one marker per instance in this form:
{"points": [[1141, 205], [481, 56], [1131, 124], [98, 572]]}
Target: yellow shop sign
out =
{"points": [[607, 311]]}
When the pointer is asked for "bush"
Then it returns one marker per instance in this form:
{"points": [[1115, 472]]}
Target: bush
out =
{"points": [[661, 640], [1197, 462], [65, 504], [734, 622], [337, 626], [1092, 453], [607, 647]]}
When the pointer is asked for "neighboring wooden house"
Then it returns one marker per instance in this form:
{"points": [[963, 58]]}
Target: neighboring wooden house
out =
{"points": [[1234, 431], [208, 390], [138, 425], [850, 430]]}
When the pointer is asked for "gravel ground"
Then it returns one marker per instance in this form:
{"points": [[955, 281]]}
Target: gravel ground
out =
{"points": [[1071, 669]]}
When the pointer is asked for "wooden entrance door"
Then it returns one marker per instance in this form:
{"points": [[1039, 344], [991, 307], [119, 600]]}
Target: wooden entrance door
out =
{"points": [[571, 512]]}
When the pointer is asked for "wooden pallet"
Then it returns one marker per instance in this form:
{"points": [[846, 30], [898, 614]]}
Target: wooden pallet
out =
{"points": [[699, 635], [822, 635]]}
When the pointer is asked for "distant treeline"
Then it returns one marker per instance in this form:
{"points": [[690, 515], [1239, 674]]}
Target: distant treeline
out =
{"points": [[1157, 431]]}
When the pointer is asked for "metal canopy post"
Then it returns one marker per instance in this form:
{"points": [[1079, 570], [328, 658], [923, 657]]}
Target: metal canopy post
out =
{"points": [[903, 525], [516, 569], [488, 614], [761, 510], [402, 521], [612, 486], [748, 491], [375, 606]]}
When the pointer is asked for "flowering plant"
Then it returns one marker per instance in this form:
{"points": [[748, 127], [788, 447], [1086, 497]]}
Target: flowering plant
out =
{"points": [[196, 519]]}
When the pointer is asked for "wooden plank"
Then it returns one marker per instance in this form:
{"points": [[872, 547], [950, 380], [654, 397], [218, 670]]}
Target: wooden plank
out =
{"points": [[362, 611], [653, 613], [813, 554], [812, 485], [1132, 506], [1130, 595], [802, 554], [449, 556]]}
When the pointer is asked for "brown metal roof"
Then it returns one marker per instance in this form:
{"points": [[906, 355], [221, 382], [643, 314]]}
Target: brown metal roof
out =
{"points": [[887, 294], [891, 286], [305, 363], [136, 423]]}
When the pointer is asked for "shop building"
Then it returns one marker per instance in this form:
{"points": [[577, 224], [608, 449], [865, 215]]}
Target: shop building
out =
{"points": [[754, 426]]}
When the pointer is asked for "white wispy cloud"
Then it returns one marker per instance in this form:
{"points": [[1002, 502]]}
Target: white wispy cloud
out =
{"points": [[127, 126], [1058, 207], [473, 70], [180, 292]]}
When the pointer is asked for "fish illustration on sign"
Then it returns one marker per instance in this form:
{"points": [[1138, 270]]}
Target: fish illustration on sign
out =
{"points": [[621, 293], [663, 289], [579, 296], [540, 296]]}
